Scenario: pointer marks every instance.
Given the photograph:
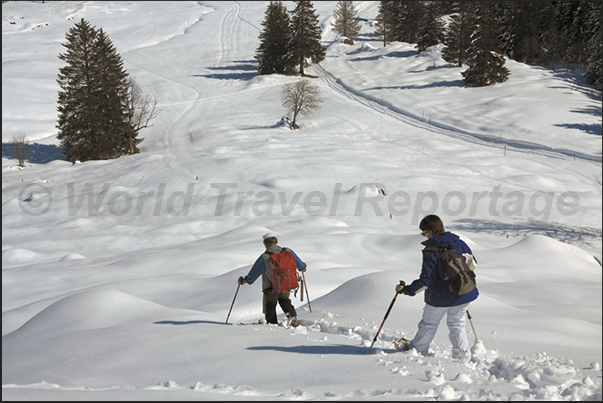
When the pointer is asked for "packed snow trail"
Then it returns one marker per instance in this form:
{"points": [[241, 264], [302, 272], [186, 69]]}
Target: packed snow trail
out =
{"points": [[386, 108]]}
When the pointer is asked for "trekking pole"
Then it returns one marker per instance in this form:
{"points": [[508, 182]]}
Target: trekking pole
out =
{"points": [[471, 321], [402, 283], [307, 296], [301, 289], [233, 301]]}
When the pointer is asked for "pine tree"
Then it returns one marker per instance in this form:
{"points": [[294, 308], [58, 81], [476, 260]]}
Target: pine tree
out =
{"points": [[272, 53], [594, 72], [113, 90], [93, 102], [386, 25], [431, 31], [525, 25], [545, 33], [485, 59], [408, 15], [346, 19], [572, 19], [306, 35], [458, 35], [75, 122]]}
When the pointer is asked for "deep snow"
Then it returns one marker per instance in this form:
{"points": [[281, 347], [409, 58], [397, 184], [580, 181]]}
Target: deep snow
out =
{"points": [[117, 276]]}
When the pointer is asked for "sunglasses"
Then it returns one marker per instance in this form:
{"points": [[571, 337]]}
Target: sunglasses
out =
{"points": [[424, 232]]}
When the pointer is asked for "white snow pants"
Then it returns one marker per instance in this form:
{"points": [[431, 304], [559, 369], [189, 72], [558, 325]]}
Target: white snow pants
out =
{"points": [[456, 325]]}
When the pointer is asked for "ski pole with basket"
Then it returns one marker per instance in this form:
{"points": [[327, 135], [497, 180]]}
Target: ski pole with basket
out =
{"points": [[402, 283], [233, 301]]}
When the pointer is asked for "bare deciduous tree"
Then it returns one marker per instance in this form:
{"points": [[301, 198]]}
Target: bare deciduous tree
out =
{"points": [[20, 147], [300, 98], [142, 108]]}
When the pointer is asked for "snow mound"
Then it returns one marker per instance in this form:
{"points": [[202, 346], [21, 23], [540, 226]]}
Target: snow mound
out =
{"points": [[88, 311], [554, 247], [15, 256], [72, 256], [359, 292]]}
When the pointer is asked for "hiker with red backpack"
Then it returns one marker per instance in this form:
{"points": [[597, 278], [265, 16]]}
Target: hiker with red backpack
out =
{"points": [[443, 251], [277, 266]]}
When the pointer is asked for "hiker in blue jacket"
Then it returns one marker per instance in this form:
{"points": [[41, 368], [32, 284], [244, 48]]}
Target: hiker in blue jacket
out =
{"points": [[439, 301], [262, 268]]}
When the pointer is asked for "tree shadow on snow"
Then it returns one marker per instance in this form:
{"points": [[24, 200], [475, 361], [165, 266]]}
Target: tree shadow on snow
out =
{"points": [[588, 129], [392, 55], [242, 70], [560, 232], [591, 110], [332, 349], [594, 129], [453, 83]]}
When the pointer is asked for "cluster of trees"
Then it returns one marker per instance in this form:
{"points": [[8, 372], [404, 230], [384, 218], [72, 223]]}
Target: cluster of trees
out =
{"points": [[289, 41], [480, 33], [101, 109]]}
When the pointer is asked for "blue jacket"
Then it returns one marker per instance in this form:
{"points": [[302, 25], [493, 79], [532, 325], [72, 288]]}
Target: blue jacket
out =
{"points": [[436, 293], [260, 267]]}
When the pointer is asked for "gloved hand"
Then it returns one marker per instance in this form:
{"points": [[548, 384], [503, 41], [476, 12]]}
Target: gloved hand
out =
{"points": [[242, 281], [400, 287]]}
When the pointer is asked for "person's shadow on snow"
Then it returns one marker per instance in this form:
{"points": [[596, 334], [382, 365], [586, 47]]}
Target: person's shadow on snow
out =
{"points": [[190, 322], [340, 349]]}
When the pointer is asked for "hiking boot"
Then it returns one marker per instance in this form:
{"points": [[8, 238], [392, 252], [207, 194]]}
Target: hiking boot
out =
{"points": [[293, 322], [402, 344]]}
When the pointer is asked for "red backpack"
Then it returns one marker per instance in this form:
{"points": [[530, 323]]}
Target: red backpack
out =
{"points": [[284, 275]]}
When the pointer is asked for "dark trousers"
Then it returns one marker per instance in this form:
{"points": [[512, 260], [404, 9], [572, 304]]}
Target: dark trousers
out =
{"points": [[271, 298]]}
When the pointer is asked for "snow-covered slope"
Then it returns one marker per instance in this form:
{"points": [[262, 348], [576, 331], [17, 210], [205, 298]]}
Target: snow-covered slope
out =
{"points": [[118, 276]]}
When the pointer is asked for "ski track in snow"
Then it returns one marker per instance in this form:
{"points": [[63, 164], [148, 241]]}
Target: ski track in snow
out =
{"points": [[386, 108]]}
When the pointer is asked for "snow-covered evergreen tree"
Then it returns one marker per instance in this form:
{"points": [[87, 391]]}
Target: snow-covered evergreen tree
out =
{"points": [[273, 52], [385, 26], [525, 25], [306, 35], [431, 31], [594, 72], [408, 15], [572, 20], [485, 59], [458, 35]]}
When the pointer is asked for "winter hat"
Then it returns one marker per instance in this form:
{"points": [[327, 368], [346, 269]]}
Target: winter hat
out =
{"points": [[268, 235]]}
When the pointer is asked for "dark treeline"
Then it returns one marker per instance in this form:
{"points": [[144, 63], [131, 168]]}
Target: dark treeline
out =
{"points": [[480, 33]]}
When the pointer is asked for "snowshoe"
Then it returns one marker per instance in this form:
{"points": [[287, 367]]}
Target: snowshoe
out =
{"points": [[402, 344], [290, 321]]}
